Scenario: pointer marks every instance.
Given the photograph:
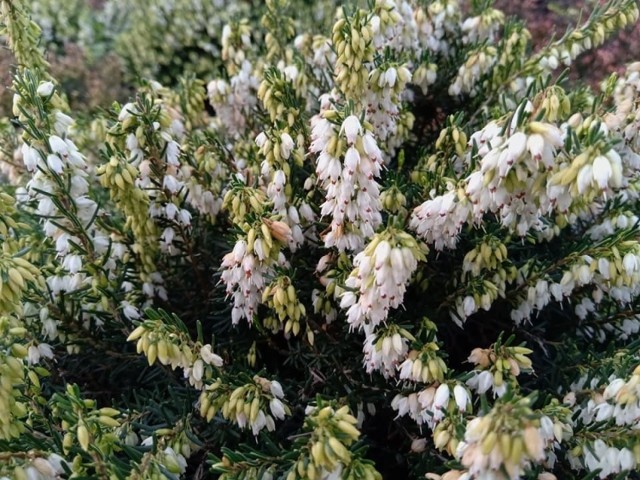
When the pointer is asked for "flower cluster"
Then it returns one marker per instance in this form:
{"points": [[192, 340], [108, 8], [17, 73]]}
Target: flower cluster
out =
{"points": [[379, 279], [169, 345], [352, 194], [255, 405], [497, 367]]}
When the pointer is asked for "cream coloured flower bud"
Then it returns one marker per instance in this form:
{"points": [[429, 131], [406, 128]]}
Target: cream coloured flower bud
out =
{"points": [[43, 467], [404, 74], [45, 89], [479, 356], [280, 231], [418, 445], [534, 443], [547, 476]]}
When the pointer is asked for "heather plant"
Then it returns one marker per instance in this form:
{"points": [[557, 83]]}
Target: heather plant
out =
{"points": [[368, 240]]}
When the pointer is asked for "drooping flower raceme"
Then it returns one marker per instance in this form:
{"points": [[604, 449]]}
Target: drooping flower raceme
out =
{"points": [[379, 279], [349, 161]]}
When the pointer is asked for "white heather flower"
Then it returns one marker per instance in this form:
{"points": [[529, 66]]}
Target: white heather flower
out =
{"points": [[441, 400], [602, 171], [261, 139], [30, 157], [630, 263], [276, 389], [129, 311], [481, 381], [390, 77], [469, 305], [56, 461], [277, 408], [33, 355], [286, 145], [172, 153], [55, 163], [176, 459], [414, 407], [73, 263], [627, 459], [209, 357], [185, 217], [171, 183], [45, 89], [351, 128], [58, 145], [234, 100], [197, 370], [62, 122], [461, 396]]}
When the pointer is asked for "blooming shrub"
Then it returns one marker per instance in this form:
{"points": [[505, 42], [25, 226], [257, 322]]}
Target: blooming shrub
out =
{"points": [[381, 242]]}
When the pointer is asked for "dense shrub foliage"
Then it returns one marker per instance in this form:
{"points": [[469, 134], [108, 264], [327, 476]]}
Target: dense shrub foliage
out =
{"points": [[311, 240]]}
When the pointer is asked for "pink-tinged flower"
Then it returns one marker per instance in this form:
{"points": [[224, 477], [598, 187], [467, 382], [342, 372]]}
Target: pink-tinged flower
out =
{"points": [[351, 160]]}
